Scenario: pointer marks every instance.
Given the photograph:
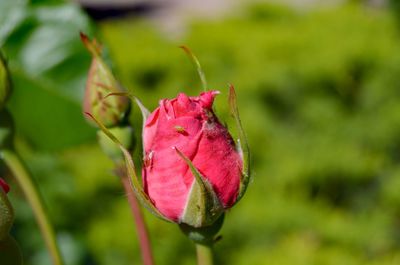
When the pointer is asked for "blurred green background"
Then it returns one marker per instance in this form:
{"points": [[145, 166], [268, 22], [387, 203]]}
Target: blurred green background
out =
{"points": [[319, 93]]}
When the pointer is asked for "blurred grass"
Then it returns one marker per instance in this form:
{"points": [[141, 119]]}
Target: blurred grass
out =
{"points": [[319, 97]]}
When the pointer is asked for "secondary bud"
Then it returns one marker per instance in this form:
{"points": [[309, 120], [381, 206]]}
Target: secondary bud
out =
{"points": [[109, 110], [4, 82]]}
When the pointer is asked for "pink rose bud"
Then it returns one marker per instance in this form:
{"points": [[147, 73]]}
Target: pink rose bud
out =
{"points": [[4, 186], [184, 132]]}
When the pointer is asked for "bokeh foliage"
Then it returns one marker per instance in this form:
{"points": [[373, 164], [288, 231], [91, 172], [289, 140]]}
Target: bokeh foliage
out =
{"points": [[48, 63], [319, 96]]}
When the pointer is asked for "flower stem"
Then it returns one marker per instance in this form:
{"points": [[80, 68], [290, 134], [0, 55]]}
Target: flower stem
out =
{"points": [[143, 236], [32, 195], [204, 254]]}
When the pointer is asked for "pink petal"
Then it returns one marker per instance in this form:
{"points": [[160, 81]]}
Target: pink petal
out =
{"points": [[219, 162], [150, 129], [165, 179]]}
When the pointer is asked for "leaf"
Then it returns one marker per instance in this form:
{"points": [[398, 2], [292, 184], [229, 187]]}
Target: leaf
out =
{"points": [[48, 65]]}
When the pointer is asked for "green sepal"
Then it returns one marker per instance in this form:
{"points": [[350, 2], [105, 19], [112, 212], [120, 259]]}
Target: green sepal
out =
{"points": [[203, 206], [10, 253], [124, 134], [197, 65], [91, 45], [145, 112], [242, 143], [203, 235], [130, 167], [6, 215]]}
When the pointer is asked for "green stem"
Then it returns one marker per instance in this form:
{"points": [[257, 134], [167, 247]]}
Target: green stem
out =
{"points": [[204, 254], [140, 224], [24, 180]]}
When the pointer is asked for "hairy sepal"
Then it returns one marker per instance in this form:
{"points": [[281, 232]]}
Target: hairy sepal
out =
{"points": [[197, 65], [242, 143], [203, 207], [145, 112], [130, 167]]}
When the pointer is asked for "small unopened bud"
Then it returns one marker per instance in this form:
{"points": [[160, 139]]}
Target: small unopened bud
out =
{"points": [[101, 83], [4, 82]]}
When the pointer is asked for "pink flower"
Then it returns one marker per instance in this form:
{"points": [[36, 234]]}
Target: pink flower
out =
{"points": [[4, 186], [188, 124]]}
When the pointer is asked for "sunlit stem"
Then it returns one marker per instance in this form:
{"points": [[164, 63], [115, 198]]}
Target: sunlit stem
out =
{"points": [[141, 228], [24, 180], [204, 254], [130, 167], [196, 64]]}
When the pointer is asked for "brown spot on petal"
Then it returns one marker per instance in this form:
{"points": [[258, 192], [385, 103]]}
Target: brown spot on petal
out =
{"points": [[181, 130], [148, 159]]}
